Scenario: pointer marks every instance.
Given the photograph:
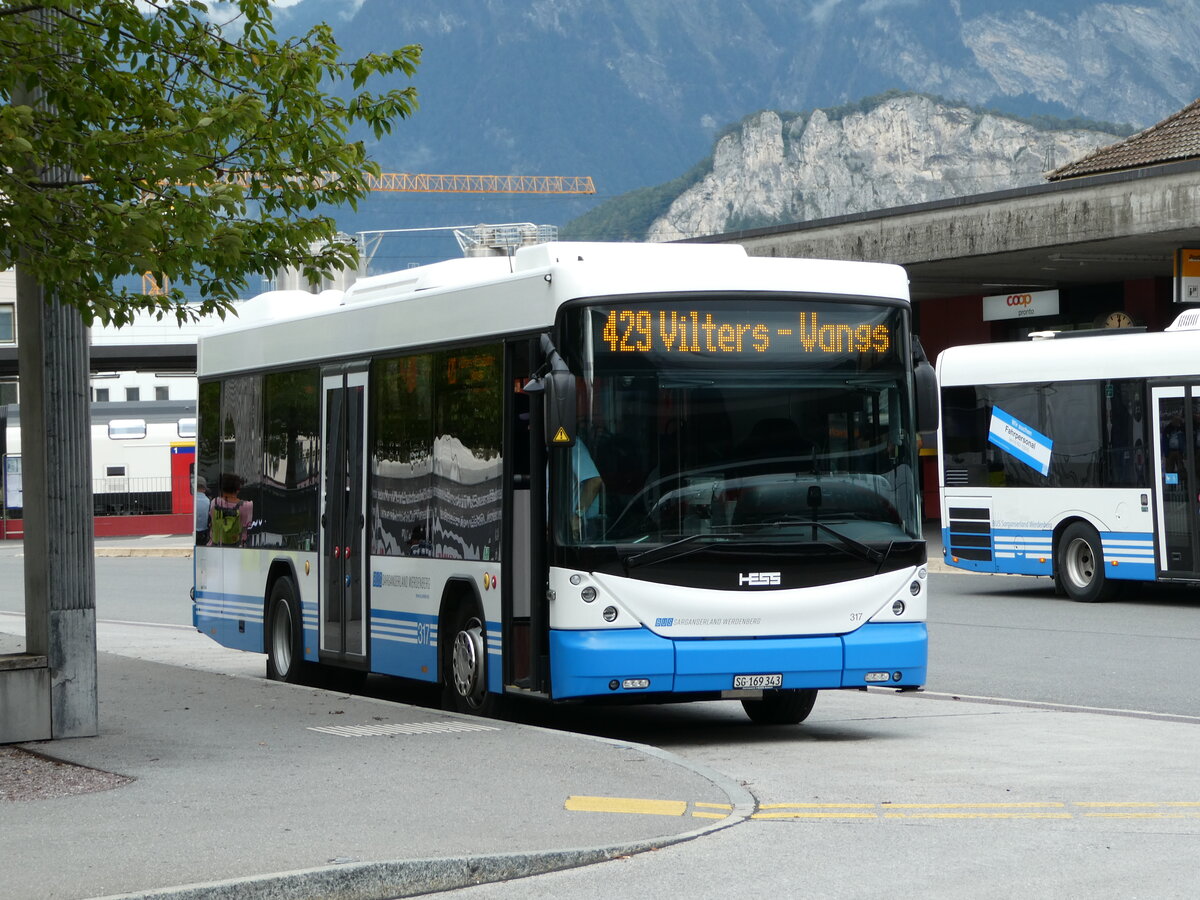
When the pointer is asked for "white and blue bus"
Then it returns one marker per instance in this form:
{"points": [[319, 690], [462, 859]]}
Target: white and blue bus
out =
{"points": [[1075, 456], [639, 472]]}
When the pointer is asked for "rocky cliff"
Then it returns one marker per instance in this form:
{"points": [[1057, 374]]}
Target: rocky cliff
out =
{"points": [[906, 149], [634, 92]]}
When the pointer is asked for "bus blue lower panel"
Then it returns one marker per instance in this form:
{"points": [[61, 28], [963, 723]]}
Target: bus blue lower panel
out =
{"points": [[1128, 555], [591, 663], [230, 620], [901, 647], [405, 644]]}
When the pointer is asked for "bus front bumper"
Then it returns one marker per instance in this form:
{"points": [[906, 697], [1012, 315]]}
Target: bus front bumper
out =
{"points": [[606, 663]]}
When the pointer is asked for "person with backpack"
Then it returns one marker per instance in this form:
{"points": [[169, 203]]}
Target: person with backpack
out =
{"points": [[229, 515], [203, 502]]}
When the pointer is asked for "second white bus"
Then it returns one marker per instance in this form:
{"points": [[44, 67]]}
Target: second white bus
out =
{"points": [[1074, 456]]}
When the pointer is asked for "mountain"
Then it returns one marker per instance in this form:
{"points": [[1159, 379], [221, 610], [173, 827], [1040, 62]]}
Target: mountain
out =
{"points": [[884, 152], [634, 92]]}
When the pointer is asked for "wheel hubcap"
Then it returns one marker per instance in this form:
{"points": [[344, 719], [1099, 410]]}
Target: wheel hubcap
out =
{"points": [[1081, 563], [467, 664], [281, 638]]}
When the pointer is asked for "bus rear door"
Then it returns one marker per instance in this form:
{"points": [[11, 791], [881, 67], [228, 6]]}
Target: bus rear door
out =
{"points": [[343, 612], [1177, 428]]}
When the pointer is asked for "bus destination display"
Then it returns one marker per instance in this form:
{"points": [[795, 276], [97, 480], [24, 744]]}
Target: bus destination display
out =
{"points": [[816, 332]]}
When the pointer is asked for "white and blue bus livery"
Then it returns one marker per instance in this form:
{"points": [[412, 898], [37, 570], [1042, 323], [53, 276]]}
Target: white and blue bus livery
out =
{"points": [[641, 472], [1074, 456]]}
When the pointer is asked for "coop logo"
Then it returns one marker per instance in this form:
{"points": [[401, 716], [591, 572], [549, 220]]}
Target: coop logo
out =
{"points": [[759, 579], [1026, 304]]}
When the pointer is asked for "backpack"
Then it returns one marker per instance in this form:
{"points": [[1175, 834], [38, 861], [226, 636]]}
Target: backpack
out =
{"points": [[226, 525]]}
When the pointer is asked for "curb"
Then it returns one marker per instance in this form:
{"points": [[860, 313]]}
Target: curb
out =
{"points": [[417, 877], [402, 878], [142, 551]]}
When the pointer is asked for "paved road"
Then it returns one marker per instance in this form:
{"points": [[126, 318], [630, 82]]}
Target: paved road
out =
{"points": [[876, 795]]}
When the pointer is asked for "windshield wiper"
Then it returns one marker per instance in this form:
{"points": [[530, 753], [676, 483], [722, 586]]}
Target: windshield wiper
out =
{"points": [[856, 548], [673, 550]]}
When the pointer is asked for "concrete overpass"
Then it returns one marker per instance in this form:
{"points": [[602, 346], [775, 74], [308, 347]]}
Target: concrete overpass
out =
{"points": [[145, 345], [1114, 234]]}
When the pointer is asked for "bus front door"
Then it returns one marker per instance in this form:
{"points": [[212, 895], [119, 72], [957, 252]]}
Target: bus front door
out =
{"points": [[1177, 478], [343, 612]]}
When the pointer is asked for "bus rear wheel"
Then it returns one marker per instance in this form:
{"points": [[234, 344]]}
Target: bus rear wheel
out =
{"points": [[781, 707], [1079, 565], [285, 637], [465, 666]]}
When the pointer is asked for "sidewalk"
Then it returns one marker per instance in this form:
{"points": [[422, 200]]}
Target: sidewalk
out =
{"points": [[247, 788], [250, 788], [148, 545]]}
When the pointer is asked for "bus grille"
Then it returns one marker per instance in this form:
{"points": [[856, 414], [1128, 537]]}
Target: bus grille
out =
{"points": [[970, 533]]}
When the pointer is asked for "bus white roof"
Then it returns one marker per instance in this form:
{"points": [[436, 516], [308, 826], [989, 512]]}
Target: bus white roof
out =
{"points": [[477, 298], [1141, 355]]}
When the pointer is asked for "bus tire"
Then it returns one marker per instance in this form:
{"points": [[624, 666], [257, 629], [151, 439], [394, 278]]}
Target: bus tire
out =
{"points": [[781, 707], [1079, 565], [285, 633], [465, 665]]}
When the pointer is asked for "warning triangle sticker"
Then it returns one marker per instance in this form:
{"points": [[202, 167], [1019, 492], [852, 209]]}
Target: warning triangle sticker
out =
{"points": [[561, 436]]}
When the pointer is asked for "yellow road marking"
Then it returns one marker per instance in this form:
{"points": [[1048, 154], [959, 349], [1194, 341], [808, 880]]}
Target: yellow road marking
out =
{"points": [[1094, 809], [973, 805], [817, 806], [627, 805], [1130, 803], [977, 815], [815, 815]]}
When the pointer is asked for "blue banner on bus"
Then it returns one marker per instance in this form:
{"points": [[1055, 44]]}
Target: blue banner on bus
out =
{"points": [[1026, 444]]}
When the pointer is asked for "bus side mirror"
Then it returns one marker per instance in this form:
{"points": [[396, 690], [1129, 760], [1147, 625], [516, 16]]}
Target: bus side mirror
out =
{"points": [[925, 379], [560, 408], [925, 382]]}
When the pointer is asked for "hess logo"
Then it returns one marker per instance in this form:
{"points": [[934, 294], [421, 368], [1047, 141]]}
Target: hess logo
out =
{"points": [[758, 579]]}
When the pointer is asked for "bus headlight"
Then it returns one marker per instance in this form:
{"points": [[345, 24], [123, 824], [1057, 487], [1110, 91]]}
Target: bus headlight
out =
{"points": [[588, 594], [610, 614], [898, 607], [914, 588]]}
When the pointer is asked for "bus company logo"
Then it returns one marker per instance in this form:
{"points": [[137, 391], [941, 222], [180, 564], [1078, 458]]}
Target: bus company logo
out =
{"points": [[759, 579], [662, 622], [415, 582], [1019, 299]]}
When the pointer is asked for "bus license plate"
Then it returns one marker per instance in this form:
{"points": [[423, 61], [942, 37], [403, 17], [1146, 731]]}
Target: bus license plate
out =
{"points": [[757, 681]]}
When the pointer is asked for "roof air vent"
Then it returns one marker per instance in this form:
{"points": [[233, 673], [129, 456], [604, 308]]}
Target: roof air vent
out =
{"points": [[1189, 320]]}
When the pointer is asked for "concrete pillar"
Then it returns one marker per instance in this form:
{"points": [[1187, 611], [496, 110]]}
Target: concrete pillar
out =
{"points": [[60, 582], [60, 593]]}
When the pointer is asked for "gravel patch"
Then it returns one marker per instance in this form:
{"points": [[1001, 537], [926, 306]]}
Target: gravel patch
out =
{"points": [[30, 776]]}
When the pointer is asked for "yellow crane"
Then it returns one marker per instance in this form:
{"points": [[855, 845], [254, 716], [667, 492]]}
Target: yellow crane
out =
{"points": [[483, 184], [408, 182]]}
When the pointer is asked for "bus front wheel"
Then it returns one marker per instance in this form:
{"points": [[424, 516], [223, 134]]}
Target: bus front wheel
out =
{"points": [[781, 707], [285, 638], [465, 666], [1079, 565]]}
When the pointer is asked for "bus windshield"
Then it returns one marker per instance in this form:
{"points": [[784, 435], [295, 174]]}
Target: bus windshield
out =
{"points": [[738, 419]]}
